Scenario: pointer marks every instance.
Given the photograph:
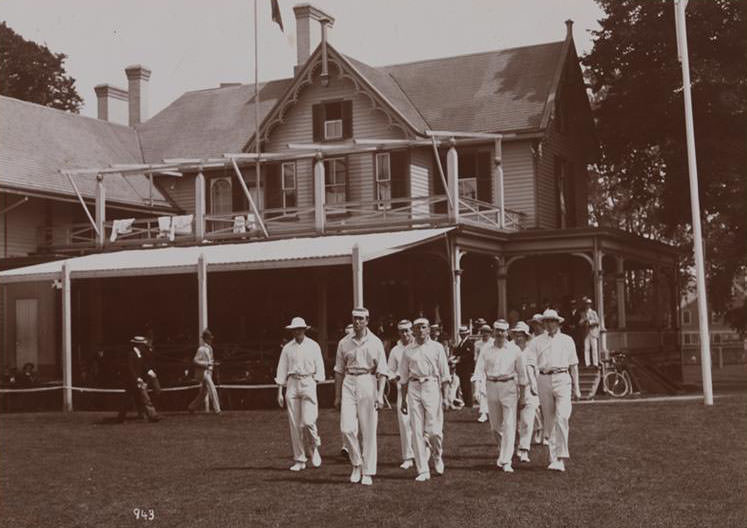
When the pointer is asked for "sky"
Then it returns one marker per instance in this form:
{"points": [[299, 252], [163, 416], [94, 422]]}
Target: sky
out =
{"points": [[196, 44]]}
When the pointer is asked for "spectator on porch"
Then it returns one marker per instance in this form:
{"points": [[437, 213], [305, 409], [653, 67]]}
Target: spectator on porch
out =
{"points": [[590, 325]]}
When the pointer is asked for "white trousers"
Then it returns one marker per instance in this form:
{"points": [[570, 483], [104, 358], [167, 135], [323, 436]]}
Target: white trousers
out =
{"points": [[503, 398], [358, 414], [208, 392], [530, 417], [303, 410], [591, 344], [555, 401], [405, 431], [482, 399], [426, 421]]}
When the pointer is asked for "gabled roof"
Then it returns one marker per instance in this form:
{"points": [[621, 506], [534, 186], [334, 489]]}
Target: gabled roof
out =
{"points": [[37, 141], [207, 123]]}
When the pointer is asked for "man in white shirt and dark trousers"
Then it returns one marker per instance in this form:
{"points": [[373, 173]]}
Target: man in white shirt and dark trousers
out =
{"points": [[557, 363], [360, 375], [498, 367], [300, 368], [589, 322], [424, 376], [404, 327], [204, 362]]}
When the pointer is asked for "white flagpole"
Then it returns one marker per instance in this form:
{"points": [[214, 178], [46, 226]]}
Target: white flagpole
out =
{"points": [[256, 106], [705, 336]]}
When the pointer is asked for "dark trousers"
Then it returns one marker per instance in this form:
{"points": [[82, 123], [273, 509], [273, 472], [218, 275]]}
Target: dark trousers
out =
{"points": [[465, 375], [137, 394]]}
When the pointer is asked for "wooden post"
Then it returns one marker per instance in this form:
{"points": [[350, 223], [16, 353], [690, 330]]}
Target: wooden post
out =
{"points": [[455, 258], [452, 171], [67, 341], [200, 206], [598, 273], [202, 295], [357, 277], [319, 193], [100, 212], [620, 285], [498, 161], [502, 283]]}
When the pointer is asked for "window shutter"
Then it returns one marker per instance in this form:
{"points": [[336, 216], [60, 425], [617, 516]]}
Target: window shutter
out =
{"points": [[484, 178], [273, 196], [347, 119], [399, 161], [317, 112]]}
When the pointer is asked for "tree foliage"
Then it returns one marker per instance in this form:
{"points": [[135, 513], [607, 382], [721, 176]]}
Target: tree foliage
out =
{"points": [[31, 72], [641, 181]]}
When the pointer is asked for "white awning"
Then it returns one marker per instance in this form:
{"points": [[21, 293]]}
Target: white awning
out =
{"points": [[271, 254]]}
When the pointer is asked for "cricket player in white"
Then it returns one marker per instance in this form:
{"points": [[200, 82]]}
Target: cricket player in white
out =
{"points": [[300, 368], [590, 323], [498, 365], [360, 376], [529, 414], [424, 376], [557, 363], [480, 390], [404, 327]]}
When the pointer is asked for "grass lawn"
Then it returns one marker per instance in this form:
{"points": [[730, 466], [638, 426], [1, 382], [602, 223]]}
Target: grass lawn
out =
{"points": [[635, 464]]}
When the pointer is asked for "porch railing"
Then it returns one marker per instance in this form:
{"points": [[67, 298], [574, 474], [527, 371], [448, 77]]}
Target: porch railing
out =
{"points": [[480, 213], [397, 212]]}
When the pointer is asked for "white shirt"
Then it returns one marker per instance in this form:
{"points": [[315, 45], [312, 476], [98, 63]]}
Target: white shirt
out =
{"points": [[498, 362], [479, 344], [527, 358], [304, 358], [366, 354], [395, 357], [424, 361], [554, 352]]}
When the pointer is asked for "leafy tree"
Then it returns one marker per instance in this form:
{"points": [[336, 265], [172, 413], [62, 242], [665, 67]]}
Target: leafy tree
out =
{"points": [[636, 82], [31, 72]]}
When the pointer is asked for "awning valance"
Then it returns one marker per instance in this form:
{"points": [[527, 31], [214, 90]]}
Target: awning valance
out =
{"points": [[285, 253]]}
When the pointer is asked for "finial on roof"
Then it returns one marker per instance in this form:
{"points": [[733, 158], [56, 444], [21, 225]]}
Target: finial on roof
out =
{"points": [[569, 27]]}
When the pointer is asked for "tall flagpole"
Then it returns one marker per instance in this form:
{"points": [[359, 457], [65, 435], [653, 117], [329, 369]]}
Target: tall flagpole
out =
{"points": [[705, 335], [260, 202]]}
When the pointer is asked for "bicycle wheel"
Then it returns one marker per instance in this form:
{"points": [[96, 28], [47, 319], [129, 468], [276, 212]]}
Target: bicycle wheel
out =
{"points": [[615, 384]]}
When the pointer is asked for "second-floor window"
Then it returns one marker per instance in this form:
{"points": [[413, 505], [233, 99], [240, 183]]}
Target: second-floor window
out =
{"points": [[288, 185], [335, 180], [383, 180], [332, 121], [221, 197], [686, 317]]}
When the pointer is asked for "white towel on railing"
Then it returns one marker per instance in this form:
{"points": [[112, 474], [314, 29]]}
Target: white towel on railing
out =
{"points": [[239, 224], [165, 228], [121, 226], [251, 222], [182, 225]]}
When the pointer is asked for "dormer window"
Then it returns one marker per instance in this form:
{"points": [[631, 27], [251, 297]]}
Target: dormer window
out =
{"points": [[332, 121]]}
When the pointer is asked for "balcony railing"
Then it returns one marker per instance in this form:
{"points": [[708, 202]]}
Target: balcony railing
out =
{"points": [[352, 216]]}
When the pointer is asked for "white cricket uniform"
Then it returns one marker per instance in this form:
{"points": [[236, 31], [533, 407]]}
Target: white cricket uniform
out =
{"points": [[403, 421], [204, 375], [555, 355], [530, 417], [480, 389], [361, 362], [499, 370], [591, 339], [423, 369], [300, 368]]}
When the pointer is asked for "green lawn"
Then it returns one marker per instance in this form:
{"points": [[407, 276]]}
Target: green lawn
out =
{"points": [[634, 464]]}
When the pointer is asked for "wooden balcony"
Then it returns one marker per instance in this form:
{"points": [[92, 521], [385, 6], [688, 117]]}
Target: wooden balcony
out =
{"points": [[344, 217]]}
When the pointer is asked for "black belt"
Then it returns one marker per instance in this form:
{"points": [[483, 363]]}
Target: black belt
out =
{"points": [[424, 379], [348, 373], [553, 371], [500, 379]]}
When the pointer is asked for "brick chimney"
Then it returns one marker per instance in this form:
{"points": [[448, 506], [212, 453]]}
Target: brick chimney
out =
{"points": [[112, 103], [137, 79], [305, 13]]}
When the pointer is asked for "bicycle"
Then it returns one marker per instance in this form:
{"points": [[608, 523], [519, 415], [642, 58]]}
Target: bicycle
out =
{"points": [[616, 379]]}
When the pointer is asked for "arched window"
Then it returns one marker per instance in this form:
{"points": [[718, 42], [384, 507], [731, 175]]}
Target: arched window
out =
{"points": [[221, 198]]}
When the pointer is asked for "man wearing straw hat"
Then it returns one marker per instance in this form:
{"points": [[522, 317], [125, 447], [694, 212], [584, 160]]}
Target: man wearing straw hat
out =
{"points": [[557, 363], [424, 376], [465, 351], [404, 327], [360, 376], [485, 341], [300, 368], [498, 367], [529, 415], [536, 325], [204, 362], [136, 389]]}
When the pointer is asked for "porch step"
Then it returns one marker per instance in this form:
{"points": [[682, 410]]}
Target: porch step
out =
{"points": [[588, 381]]}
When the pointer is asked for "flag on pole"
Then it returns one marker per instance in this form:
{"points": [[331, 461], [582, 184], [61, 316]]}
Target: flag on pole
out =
{"points": [[276, 14]]}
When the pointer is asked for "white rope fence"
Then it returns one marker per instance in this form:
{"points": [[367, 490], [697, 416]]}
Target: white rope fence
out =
{"points": [[165, 389]]}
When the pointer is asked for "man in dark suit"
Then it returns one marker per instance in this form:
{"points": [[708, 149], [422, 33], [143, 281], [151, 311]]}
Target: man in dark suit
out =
{"points": [[136, 389], [465, 351]]}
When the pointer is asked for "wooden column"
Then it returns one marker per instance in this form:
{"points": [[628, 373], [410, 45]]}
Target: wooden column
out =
{"points": [[452, 173], [620, 285], [598, 273], [200, 206], [320, 194], [67, 341], [202, 295], [100, 211], [502, 283], [455, 258], [357, 277], [500, 191]]}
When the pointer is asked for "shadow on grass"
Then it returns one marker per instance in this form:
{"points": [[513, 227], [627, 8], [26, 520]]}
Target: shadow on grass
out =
{"points": [[250, 468], [341, 481]]}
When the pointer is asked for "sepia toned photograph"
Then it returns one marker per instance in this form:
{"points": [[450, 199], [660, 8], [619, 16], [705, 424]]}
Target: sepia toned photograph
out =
{"points": [[474, 263]]}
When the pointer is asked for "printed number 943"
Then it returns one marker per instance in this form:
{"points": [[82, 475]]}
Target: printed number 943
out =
{"points": [[141, 514]]}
